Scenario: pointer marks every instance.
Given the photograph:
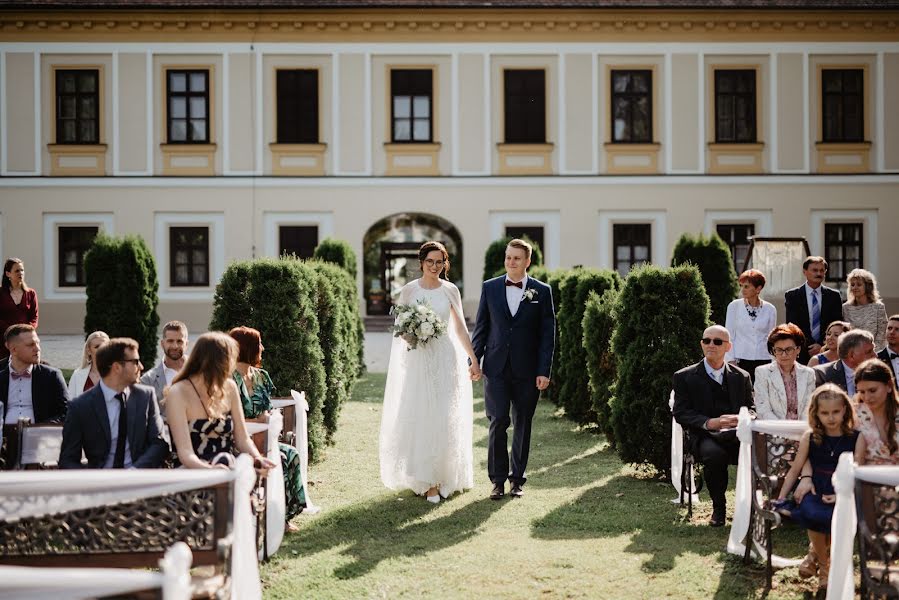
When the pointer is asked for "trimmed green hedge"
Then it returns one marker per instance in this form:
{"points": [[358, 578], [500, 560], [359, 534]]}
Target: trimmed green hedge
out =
{"points": [[122, 292], [713, 258], [598, 326], [308, 323], [661, 315], [574, 389], [495, 256], [338, 252], [554, 280]]}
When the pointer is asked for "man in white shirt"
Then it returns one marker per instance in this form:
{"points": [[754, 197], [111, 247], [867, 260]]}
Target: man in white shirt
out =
{"points": [[890, 354], [174, 345]]}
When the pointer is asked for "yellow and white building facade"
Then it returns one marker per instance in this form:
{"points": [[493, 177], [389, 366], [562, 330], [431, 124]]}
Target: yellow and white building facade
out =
{"points": [[220, 134]]}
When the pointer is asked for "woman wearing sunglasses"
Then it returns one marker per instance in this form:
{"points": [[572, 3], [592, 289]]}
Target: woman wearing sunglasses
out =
{"points": [[783, 388]]}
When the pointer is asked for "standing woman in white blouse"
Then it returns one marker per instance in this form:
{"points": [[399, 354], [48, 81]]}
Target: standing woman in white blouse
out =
{"points": [[749, 321]]}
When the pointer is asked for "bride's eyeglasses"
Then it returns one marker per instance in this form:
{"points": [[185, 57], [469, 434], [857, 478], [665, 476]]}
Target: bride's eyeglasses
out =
{"points": [[434, 263]]}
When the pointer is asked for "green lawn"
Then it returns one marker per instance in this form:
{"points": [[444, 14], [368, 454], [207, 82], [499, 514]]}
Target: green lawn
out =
{"points": [[588, 527]]}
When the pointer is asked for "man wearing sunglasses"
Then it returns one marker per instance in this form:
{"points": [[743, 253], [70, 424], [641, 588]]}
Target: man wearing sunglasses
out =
{"points": [[116, 424], [707, 398]]}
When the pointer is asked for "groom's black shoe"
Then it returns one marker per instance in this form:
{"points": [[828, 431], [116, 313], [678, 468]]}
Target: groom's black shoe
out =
{"points": [[498, 491], [516, 491]]}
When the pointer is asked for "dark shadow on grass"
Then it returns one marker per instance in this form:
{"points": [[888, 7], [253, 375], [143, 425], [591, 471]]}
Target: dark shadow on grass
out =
{"points": [[387, 528]]}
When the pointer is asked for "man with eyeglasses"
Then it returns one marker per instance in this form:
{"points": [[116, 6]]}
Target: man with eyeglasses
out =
{"points": [[854, 347], [116, 424], [707, 397]]}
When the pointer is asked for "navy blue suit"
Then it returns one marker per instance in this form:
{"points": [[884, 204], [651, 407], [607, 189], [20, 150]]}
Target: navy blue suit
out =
{"points": [[513, 351], [87, 429]]}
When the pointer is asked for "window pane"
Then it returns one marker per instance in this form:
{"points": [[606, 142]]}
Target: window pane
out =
{"points": [[198, 130], [402, 130], [198, 82], [422, 129], [831, 81], [181, 257], [178, 107], [87, 108], [402, 106], [181, 276], [623, 253], [198, 257], [421, 106], [67, 107], [179, 130], [67, 133], [87, 83], [198, 108], [86, 133], [620, 81], [199, 274], [66, 83], [177, 82], [640, 82], [70, 274], [641, 253]]}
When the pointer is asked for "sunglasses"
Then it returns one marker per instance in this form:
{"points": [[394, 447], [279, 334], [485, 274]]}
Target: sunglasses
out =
{"points": [[716, 341]]}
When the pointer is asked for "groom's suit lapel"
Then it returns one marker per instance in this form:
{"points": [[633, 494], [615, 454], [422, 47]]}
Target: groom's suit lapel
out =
{"points": [[523, 300]]}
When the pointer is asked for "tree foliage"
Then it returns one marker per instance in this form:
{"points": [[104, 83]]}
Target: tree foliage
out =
{"points": [[713, 258], [598, 326], [495, 256], [122, 292], [338, 252]]}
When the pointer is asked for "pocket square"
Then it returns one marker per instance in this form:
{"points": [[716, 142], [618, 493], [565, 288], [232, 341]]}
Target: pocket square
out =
{"points": [[534, 302]]}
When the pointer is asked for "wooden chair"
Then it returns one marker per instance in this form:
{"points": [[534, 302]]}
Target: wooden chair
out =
{"points": [[877, 507], [772, 457]]}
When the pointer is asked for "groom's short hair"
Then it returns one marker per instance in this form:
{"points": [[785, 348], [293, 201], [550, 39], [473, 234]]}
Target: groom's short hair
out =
{"points": [[522, 245]]}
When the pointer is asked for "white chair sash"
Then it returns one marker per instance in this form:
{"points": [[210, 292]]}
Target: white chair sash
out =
{"points": [[275, 501], [792, 430], [41, 445], [677, 455], [302, 437]]}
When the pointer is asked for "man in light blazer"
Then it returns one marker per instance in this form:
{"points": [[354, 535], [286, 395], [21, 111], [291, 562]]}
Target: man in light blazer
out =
{"points": [[174, 345], [116, 424], [813, 306], [890, 354], [854, 347], [771, 380]]}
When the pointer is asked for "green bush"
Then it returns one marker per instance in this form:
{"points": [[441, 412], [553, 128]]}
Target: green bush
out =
{"points": [[598, 326], [572, 375], [338, 252], [554, 280], [713, 258], [279, 298], [495, 257], [122, 292], [661, 315]]}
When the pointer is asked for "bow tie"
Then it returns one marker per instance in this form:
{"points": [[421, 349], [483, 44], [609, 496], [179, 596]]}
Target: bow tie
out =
{"points": [[510, 283], [22, 375], [893, 356]]}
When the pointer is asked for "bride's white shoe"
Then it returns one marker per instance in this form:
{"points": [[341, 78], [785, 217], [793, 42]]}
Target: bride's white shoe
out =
{"points": [[434, 499]]}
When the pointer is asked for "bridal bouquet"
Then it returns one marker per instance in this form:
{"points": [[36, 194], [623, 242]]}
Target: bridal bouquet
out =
{"points": [[417, 323]]}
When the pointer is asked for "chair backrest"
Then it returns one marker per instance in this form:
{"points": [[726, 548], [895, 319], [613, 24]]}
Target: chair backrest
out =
{"points": [[772, 457], [39, 445]]}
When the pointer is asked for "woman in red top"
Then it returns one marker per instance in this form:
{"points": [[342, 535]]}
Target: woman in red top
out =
{"points": [[18, 302]]}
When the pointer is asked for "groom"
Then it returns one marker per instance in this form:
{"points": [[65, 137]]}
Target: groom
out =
{"points": [[513, 336]]}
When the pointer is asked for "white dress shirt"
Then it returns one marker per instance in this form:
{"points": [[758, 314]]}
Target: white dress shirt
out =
{"points": [[112, 411], [18, 400], [894, 360], [749, 336], [716, 374], [850, 379], [514, 294], [168, 373]]}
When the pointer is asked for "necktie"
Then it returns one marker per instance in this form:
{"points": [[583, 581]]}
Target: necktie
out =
{"points": [[22, 375], [816, 317], [119, 461], [510, 283]]}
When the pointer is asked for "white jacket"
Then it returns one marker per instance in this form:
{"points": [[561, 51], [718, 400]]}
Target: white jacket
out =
{"points": [[771, 395], [77, 381]]}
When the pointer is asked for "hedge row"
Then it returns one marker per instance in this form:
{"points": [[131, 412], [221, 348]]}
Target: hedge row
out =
{"points": [[122, 292], [308, 315], [716, 265], [599, 325]]}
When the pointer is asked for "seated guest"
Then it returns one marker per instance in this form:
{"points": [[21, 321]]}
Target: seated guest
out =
{"points": [[854, 347], [784, 387], [174, 344], [877, 407], [256, 389], [832, 423], [829, 353], [707, 398], [890, 354], [87, 376], [863, 309], [204, 410], [749, 319], [28, 388], [116, 424]]}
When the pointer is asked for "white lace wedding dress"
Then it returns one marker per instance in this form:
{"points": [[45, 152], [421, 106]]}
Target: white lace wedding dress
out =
{"points": [[427, 416]]}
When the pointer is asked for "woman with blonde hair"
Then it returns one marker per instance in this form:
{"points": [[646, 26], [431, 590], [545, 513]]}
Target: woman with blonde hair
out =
{"points": [[203, 407], [87, 376], [863, 309]]}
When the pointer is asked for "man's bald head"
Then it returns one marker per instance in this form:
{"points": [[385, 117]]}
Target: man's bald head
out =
{"points": [[716, 331]]}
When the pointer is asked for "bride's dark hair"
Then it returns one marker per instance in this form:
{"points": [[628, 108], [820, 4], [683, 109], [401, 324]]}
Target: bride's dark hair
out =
{"points": [[429, 247]]}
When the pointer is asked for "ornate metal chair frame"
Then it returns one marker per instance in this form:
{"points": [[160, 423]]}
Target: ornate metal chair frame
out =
{"points": [[771, 460], [877, 507], [687, 472]]}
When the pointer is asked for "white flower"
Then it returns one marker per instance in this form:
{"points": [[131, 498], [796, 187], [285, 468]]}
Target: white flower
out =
{"points": [[529, 294], [422, 309], [427, 330]]}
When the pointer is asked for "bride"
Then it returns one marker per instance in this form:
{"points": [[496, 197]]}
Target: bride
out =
{"points": [[426, 425]]}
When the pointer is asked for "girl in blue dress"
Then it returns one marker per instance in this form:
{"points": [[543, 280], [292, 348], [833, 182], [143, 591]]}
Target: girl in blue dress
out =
{"points": [[832, 433]]}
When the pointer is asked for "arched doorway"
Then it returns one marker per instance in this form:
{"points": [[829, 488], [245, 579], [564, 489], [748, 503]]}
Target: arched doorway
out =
{"points": [[390, 249]]}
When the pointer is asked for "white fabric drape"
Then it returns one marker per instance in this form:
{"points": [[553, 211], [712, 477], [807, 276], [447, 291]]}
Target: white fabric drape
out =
{"points": [[840, 583], [301, 430], [792, 430], [677, 455], [36, 583], [37, 493], [275, 502], [41, 445]]}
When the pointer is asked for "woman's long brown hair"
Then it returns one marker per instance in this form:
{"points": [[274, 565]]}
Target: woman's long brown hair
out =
{"points": [[213, 357], [876, 370]]}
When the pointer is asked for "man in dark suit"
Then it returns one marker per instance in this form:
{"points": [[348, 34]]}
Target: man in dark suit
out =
{"points": [[813, 306], [28, 388], [116, 423], [890, 354], [854, 347], [514, 337], [707, 398]]}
